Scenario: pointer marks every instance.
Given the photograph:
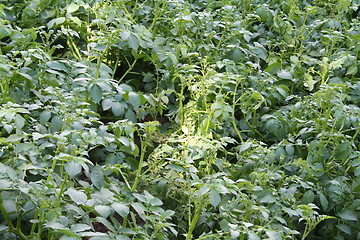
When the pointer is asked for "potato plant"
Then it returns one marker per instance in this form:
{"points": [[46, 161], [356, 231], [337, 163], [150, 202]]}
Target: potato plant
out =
{"points": [[179, 119]]}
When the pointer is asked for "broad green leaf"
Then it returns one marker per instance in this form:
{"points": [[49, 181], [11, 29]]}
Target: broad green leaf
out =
{"points": [[117, 109], [348, 214], [26, 76], [266, 197], [76, 20], [140, 197], [103, 210], [72, 168], [14, 138], [342, 151], [284, 74], [124, 141], [80, 227], [130, 115], [214, 198], [237, 55], [139, 208], [56, 225], [96, 93], [176, 167], [259, 51], [125, 35], [345, 228], [56, 124], [273, 235], [352, 70], [4, 31], [44, 117], [273, 68], [56, 22], [155, 202], [19, 121], [107, 104], [134, 99], [97, 177], [72, 7], [121, 209], [4, 183], [324, 202], [77, 196], [253, 236], [9, 128], [308, 197], [23, 147], [289, 148], [133, 42], [57, 66]]}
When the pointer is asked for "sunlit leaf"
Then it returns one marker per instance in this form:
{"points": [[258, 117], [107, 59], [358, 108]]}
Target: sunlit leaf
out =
{"points": [[77, 196]]}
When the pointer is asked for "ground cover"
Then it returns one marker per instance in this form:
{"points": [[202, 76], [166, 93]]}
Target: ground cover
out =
{"points": [[179, 119]]}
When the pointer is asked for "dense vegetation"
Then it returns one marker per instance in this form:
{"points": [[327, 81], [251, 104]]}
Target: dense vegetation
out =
{"points": [[179, 119]]}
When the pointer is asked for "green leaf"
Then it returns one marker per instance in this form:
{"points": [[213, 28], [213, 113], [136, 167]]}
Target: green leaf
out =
{"points": [[19, 121], [140, 197], [266, 197], [23, 147], [214, 198], [348, 214], [284, 74], [352, 70], [72, 7], [4, 183], [80, 227], [44, 117], [125, 35], [155, 202], [55, 22], [139, 208], [14, 138], [9, 128], [345, 228], [117, 109], [324, 202], [274, 235], [97, 177], [130, 115], [96, 93], [56, 124], [104, 211], [308, 197], [135, 100], [342, 151], [57, 66], [253, 236], [73, 168], [273, 68], [121, 209], [124, 141], [77, 196], [133, 42], [107, 104], [176, 167]]}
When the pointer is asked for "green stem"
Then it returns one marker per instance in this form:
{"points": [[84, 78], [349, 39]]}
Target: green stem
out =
{"points": [[195, 219], [233, 115], [129, 69], [12, 229], [142, 156]]}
